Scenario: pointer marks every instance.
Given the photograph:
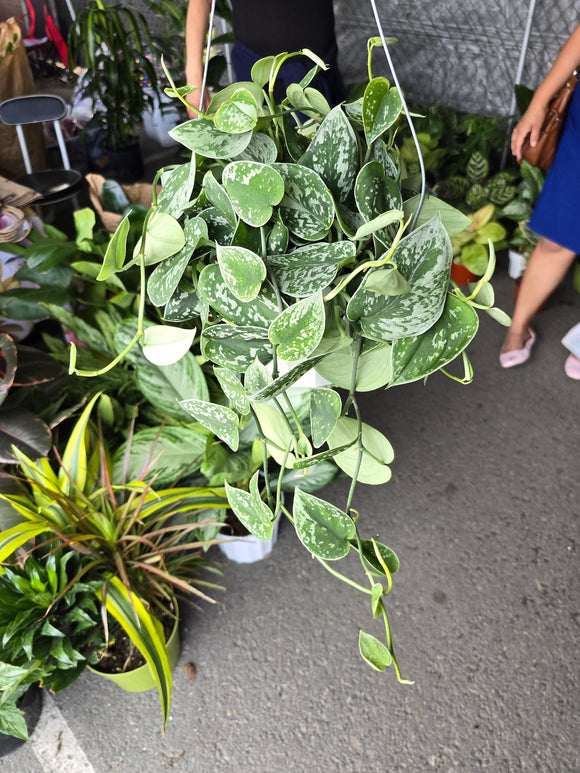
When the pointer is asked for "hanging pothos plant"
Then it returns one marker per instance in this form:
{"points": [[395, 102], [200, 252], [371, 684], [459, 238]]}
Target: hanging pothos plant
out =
{"points": [[285, 246]]}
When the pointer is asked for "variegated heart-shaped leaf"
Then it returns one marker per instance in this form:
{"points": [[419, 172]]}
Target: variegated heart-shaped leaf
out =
{"points": [[177, 185], [297, 331], [203, 137], [381, 108], [233, 389], [259, 312], [325, 408], [424, 259], [333, 154], [182, 306], [238, 114], [242, 270], [166, 276], [262, 148], [416, 357], [278, 238], [256, 377], [217, 196], [375, 192], [323, 529], [310, 268], [250, 510], [307, 207], [254, 189], [218, 419], [235, 346]]}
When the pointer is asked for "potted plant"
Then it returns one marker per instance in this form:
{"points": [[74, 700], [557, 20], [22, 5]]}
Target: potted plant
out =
{"points": [[50, 629], [141, 544], [287, 240], [112, 45]]}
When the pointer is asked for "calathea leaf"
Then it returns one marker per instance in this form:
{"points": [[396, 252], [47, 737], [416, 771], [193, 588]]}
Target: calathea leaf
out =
{"points": [[249, 508], [323, 529], [377, 452], [333, 154], [242, 270], [222, 421], [203, 137], [297, 330], [416, 357], [254, 189], [307, 207], [381, 108], [424, 259]]}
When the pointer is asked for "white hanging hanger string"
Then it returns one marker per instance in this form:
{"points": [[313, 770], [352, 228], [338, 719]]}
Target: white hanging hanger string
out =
{"points": [[207, 51], [406, 109]]}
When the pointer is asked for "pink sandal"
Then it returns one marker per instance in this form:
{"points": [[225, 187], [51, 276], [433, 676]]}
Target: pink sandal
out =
{"points": [[518, 356], [572, 367]]}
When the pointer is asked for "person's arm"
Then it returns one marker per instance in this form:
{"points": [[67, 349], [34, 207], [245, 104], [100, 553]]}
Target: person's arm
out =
{"points": [[196, 25], [531, 122]]}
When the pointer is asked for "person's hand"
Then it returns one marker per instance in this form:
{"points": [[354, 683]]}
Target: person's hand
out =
{"points": [[193, 99], [530, 124]]}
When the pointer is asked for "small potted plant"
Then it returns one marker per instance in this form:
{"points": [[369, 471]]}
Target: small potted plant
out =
{"points": [[112, 45]]}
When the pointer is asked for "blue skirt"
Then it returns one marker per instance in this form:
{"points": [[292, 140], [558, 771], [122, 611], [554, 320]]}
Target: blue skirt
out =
{"points": [[557, 213]]}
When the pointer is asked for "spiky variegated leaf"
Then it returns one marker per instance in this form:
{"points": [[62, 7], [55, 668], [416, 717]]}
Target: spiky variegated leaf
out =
{"points": [[322, 528]]}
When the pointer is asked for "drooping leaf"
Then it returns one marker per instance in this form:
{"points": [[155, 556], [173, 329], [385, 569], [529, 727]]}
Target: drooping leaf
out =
{"points": [[166, 276], [26, 431], [220, 420], [377, 452], [374, 651], [177, 187], [217, 196], [284, 381], [116, 251], [453, 220], [387, 555], [325, 408], [233, 389], [323, 529]]}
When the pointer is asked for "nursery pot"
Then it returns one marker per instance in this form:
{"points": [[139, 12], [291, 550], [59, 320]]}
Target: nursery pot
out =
{"points": [[462, 275], [248, 549], [141, 679], [31, 705], [126, 163]]}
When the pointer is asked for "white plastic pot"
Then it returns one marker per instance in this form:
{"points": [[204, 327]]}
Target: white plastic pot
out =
{"points": [[517, 263], [248, 549]]}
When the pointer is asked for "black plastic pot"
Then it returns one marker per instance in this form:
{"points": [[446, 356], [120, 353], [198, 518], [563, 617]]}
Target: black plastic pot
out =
{"points": [[126, 163], [31, 705]]}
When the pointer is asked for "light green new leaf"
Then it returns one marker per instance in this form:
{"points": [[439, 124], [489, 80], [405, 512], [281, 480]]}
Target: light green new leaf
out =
{"points": [[416, 357], [424, 259], [374, 651], [233, 389], [310, 268], [381, 108], [116, 251], [163, 238], [242, 270], [222, 421], [453, 220], [325, 408], [278, 435], [323, 529], [298, 330], [333, 154], [259, 312], [203, 137], [166, 345], [235, 346], [377, 452], [177, 185], [307, 207], [250, 510], [166, 276], [254, 189], [373, 369], [239, 114]]}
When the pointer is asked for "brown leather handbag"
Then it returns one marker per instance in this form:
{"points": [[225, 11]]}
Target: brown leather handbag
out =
{"points": [[543, 153]]}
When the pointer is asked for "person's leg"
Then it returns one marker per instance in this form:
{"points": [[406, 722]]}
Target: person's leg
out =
{"points": [[546, 268]]}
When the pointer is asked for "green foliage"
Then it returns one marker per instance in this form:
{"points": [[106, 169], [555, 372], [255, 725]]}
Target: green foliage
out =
{"points": [[306, 261]]}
